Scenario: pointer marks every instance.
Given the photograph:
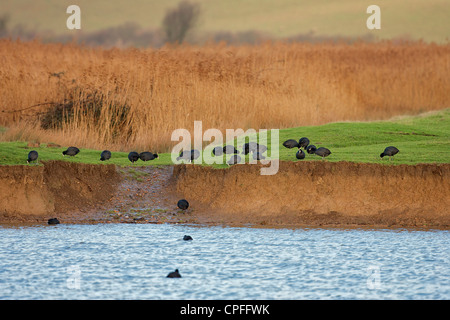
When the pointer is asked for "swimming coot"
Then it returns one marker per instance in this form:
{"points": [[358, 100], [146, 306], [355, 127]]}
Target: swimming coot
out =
{"points": [[174, 274], [187, 238]]}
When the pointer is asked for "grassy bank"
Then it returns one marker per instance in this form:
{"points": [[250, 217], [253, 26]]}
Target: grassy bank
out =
{"points": [[421, 139]]}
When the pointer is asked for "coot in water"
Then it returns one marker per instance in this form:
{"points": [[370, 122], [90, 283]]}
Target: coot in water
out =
{"points": [[303, 143], [71, 151], [291, 143], [187, 238], [183, 204], [146, 156], [32, 156], [133, 156], [300, 154], [323, 152], [174, 274], [311, 149], [390, 152], [105, 155]]}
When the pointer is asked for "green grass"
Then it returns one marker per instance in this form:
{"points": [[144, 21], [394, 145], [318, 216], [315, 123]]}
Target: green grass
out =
{"points": [[420, 139]]}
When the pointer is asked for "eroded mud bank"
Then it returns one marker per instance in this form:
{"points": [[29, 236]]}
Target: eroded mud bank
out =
{"points": [[320, 193]]}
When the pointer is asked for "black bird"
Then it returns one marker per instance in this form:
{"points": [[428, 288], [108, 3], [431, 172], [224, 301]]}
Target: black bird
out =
{"points": [[133, 156], [230, 149], [253, 147], [258, 156], [234, 160], [303, 143], [71, 151], [187, 238], [53, 221], [183, 204], [390, 152], [105, 155], [174, 274], [323, 152], [32, 155], [291, 143], [189, 155], [300, 154], [311, 149], [217, 151], [146, 156]]}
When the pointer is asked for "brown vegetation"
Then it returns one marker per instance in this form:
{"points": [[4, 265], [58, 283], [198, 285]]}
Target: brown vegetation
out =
{"points": [[122, 99]]}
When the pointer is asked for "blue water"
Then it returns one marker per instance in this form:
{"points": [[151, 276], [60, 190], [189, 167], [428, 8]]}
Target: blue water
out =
{"points": [[131, 261]]}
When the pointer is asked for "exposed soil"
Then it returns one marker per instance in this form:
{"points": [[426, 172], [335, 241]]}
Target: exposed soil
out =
{"points": [[310, 193]]}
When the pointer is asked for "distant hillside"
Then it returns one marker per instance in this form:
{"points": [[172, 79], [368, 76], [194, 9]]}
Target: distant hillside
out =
{"points": [[413, 19]]}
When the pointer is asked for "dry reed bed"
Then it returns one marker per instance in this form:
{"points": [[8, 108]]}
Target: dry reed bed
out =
{"points": [[268, 86]]}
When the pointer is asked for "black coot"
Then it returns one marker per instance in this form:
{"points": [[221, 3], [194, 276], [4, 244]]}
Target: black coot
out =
{"points": [[303, 143], [230, 149], [253, 147], [105, 155], [291, 143], [190, 155], [32, 156], [53, 221], [323, 152], [187, 238], [146, 156], [390, 152], [300, 154], [183, 204], [174, 274], [71, 151], [217, 151], [133, 156], [234, 160], [311, 149], [258, 156]]}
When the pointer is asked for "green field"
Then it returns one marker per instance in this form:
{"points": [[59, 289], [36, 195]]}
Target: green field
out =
{"points": [[420, 139], [418, 19]]}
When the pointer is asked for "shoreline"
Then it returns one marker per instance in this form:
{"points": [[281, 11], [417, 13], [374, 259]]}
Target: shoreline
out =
{"points": [[312, 194]]}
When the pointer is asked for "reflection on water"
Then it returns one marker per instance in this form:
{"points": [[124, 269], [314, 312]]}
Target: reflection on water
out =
{"points": [[127, 261]]}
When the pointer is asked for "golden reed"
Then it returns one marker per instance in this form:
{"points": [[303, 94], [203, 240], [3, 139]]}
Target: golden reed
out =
{"points": [[275, 85]]}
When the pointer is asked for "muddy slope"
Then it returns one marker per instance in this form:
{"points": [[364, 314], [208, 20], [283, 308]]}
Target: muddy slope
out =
{"points": [[320, 193], [34, 193]]}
